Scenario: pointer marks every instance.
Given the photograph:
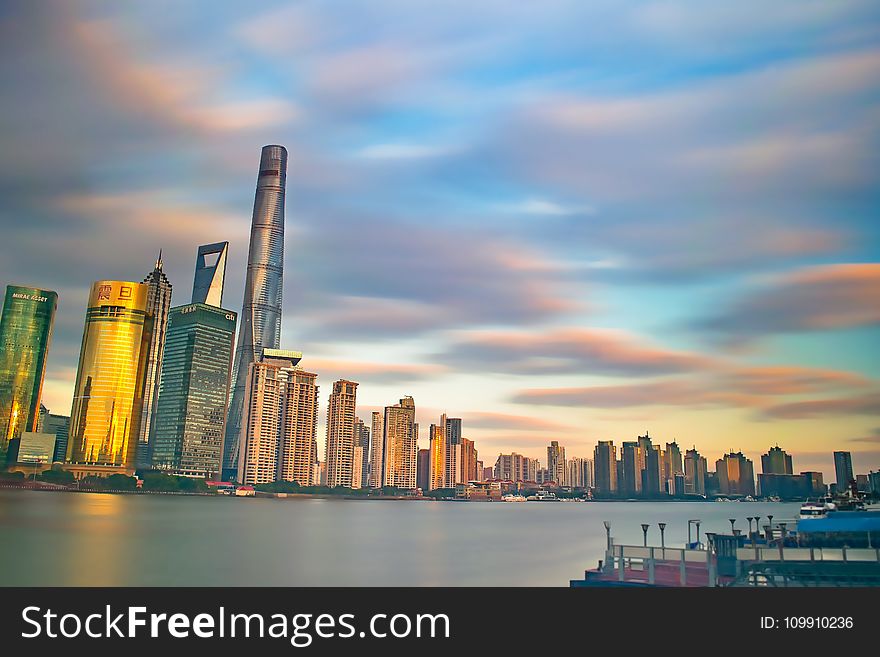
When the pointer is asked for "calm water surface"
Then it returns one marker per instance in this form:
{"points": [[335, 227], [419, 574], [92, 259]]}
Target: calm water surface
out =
{"points": [[152, 540]]}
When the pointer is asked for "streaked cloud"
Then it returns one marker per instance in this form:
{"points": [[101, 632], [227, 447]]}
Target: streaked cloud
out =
{"points": [[810, 299]]}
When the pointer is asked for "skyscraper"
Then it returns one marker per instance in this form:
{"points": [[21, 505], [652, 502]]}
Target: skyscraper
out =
{"points": [[400, 445], [59, 425], [674, 466], [776, 461], [279, 398], [437, 475], [694, 473], [298, 447], [377, 451], [362, 441], [423, 477], [843, 470], [25, 334], [631, 457], [190, 419], [605, 467], [260, 326], [210, 274], [339, 448], [735, 474], [556, 463], [468, 462], [158, 306], [108, 395]]}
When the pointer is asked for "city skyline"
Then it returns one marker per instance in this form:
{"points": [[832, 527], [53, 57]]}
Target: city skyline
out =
{"points": [[518, 254]]}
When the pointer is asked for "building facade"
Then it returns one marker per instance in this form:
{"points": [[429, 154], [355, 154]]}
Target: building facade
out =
{"points": [[556, 463], [190, 420], [377, 450], [437, 455], [25, 335], [776, 461], [843, 470], [158, 306], [400, 445], [339, 447], [362, 440], [735, 474], [109, 391], [261, 307], [275, 389], [695, 469], [605, 467]]}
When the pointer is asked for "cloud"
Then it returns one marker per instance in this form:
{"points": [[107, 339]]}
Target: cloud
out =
{"points": [[569, 350], [540, 206], [403, 151], [872, 437], [657, 393], [809, 299], [183, 94], [393, 278], [512, 422], [719, 384], [788, 380], [868, 404], [371, 373]]}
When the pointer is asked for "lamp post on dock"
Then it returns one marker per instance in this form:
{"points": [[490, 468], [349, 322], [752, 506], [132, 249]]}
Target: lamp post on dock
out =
{"points": [[662, 526], [645, 533]]}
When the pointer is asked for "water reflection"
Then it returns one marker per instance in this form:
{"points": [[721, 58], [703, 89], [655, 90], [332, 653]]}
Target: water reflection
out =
{"points": [[93, 539]]}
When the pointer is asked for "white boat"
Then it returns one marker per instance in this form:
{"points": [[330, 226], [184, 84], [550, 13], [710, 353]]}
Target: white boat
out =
{"points": [[513, 498], [543, 496]]}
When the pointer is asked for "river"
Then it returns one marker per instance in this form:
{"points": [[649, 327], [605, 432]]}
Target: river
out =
{"points": [[93, 539]]}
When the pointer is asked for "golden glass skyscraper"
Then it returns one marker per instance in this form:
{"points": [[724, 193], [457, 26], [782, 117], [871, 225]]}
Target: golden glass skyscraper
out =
{"points": [[25, 331], [109, 392]]}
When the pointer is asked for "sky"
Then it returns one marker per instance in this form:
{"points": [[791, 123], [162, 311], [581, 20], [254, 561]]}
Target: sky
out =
{"points": [[566, 220]]}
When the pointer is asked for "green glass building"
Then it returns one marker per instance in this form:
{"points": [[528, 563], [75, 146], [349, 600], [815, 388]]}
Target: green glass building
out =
{"points": [[190, 420], [25, 333]]}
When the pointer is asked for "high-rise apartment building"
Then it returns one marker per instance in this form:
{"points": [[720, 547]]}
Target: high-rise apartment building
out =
{"points": [[605, 467], [631, 458], [468, 458], [25, 334], [735, 474], [362, 440], [437, 449], [339, 447], [695, 469], [190, 418], [556, 463], [280, 420], [377, 450], [843, 470], [110, 379], [515, 467], [423, 476], [580, 473], [400, 445], [776, 461], [158, 307], [260, 318]]}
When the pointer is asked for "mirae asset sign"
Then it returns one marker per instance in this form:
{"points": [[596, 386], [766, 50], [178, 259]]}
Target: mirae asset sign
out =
{"points": [[29, 297]]}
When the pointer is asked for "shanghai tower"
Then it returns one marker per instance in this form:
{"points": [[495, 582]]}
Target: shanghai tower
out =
{"points": [[260, 326]]}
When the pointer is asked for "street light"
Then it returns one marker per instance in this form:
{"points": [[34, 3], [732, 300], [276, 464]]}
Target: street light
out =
{"points": [[732, 522], [662, 526], [607, 533], [645, 532]]}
